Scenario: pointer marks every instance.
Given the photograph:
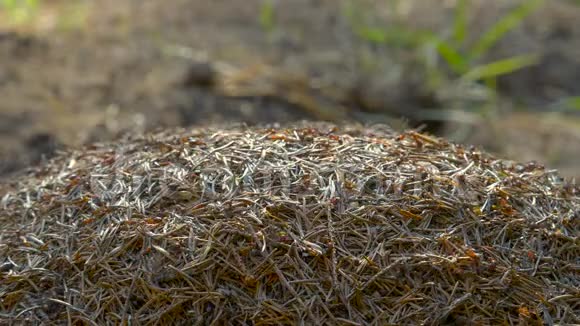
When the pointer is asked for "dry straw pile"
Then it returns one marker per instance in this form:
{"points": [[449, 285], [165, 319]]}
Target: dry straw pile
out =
{"points": [[286, 226]]}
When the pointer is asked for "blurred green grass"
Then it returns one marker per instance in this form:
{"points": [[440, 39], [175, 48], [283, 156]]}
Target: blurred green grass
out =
{"points": [[459, 67], [19, 11], [43, 15], [454, 61]]}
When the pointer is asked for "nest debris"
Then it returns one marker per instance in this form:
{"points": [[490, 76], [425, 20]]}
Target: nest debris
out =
{"points": [[312, 225]]}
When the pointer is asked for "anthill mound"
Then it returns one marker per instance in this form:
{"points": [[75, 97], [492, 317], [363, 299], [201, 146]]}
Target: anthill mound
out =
{"points": [[285, 226]]}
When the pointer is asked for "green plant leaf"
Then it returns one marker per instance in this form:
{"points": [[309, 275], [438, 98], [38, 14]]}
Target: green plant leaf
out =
{"points": [[460, 23], [395, 36], [500, 67], [267, 15], [454, 59], [507, 23], [573, 102], [373, 34]]}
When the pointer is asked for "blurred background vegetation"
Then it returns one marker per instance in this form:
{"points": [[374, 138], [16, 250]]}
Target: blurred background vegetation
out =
{"points": [[500, 74]]}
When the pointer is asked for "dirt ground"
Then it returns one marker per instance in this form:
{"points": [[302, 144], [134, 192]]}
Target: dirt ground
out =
{"points": [[137, 65]]}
